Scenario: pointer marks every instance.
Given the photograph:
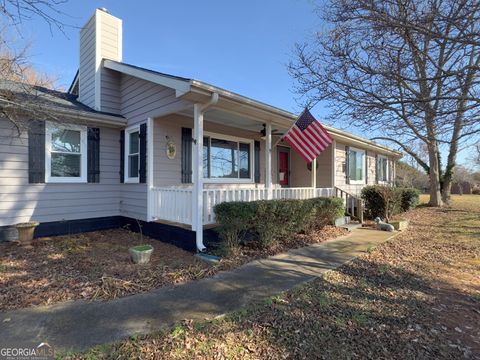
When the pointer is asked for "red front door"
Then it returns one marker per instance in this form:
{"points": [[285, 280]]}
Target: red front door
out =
{"points": [[283, 173]]}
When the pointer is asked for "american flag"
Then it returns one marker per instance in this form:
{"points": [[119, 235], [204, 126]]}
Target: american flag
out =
{"points": [[308, 137]]}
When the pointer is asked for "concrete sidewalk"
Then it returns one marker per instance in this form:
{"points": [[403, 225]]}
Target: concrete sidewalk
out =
{"points": [[78, 325]]}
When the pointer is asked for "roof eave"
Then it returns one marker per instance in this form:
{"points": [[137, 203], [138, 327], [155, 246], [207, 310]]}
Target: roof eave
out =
{"points": [[289, 118]]}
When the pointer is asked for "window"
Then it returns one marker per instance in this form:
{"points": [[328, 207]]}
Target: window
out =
{"points": [[382, 168], [356, 166], [132, 155], [227, 158], [66, 153]]}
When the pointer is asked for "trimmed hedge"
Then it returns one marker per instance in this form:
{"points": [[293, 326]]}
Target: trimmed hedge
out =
{"points": [[270, 221], [386, 201]]}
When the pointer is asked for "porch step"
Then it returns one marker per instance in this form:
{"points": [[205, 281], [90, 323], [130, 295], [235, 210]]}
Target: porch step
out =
{"points": [[343, 221], [351, 226]]}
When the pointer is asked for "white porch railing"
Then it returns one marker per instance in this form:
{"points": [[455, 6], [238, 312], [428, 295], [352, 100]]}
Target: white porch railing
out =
{"points": [[175, 204], [172, 204]]}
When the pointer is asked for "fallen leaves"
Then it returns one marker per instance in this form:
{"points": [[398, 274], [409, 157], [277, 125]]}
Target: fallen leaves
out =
{"points": [[89, 266], [413, 297], [97, 266]]}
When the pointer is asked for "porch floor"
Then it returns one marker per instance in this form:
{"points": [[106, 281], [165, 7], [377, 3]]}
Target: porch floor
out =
{"points": [[105, 322]]}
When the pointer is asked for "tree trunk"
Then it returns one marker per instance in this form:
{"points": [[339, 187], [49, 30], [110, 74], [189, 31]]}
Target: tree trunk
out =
{"points": [[434, 174]]}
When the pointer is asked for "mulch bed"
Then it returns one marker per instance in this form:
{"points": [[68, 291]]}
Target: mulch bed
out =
{"points": [[97, 266], [414, 297]]}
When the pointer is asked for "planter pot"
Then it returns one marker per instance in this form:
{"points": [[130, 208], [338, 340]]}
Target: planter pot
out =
{"points": [[399, 224], [141, 254], [25, 232]]}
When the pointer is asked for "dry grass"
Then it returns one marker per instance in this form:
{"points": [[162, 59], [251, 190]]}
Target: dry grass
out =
{"points": [[417, 296]]}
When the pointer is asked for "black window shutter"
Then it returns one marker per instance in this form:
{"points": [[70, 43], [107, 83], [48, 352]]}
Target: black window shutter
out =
{"points": [[143, 154], [36, 152], [347, 164], [122, 156], [93, 155], [186, 155], [366, 167], [256, 161], [376, 168]]}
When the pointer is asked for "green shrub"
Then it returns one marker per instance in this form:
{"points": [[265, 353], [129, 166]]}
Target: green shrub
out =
{"points": [[410, 198], [273, 220], [234, 219], [386, 201], [326, 210]]}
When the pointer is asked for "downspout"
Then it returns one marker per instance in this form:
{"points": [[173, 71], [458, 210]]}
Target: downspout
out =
{"points": [[213, 101], [197, 203]]}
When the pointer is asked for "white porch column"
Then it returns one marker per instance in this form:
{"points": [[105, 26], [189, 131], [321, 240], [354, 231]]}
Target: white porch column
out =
{"points": [[314, 174], [334, 166], [150, 156], [197, 168], [268, 160]]}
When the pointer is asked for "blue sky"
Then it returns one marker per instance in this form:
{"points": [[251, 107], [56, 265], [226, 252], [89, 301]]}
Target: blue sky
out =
{"points": [[243, 46]]}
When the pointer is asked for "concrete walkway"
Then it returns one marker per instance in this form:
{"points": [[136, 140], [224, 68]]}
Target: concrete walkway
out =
{"points": [[78, 325]]}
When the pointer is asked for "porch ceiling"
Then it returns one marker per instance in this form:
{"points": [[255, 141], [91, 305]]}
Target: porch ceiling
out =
{"points": [[231, 119]]}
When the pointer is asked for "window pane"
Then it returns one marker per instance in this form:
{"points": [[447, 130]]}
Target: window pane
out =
{"points": [[383, 169], [223, 159], [66, 140], [244, 161], [206, 155], [134, 142], [352, 165], [133, 166], [359, 165], [65, 165]]}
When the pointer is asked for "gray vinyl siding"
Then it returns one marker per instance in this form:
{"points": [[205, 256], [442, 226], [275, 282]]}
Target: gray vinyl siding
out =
{"points": [[86, 75], [21, 201], [141, 99], [167, 172], [340, 176], [110, 97]]}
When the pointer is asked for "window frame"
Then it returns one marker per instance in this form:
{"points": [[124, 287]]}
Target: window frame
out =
{"points": [[238, 140], [50, 126], [127, 178], [362, 180], [383, 157]]}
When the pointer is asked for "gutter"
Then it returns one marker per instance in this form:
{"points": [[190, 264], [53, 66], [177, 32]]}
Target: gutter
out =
{"points": [[104, 119], [291, 116]]}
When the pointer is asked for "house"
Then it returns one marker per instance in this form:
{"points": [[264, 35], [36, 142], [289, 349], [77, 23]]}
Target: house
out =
{"points": [[136, 144], [462, 188]]}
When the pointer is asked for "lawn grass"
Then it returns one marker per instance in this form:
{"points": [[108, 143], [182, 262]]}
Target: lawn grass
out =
{"points": [[417, 296]]}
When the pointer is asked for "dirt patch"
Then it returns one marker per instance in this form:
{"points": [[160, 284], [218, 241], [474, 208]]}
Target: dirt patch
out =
{"points": [[97, 266]]}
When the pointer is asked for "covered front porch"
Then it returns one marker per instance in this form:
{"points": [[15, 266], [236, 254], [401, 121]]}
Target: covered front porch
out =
{"points": [[233, 155], [173, 204]]}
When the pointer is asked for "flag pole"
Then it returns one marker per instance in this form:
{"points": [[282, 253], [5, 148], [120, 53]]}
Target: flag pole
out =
{"points": [[298, 117]]}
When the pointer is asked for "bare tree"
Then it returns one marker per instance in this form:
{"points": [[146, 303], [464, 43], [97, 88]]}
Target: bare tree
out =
{"points": [[410, 176], [16, 12], [407, 69], [476, 155], [462, 176], [19, 81]]}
